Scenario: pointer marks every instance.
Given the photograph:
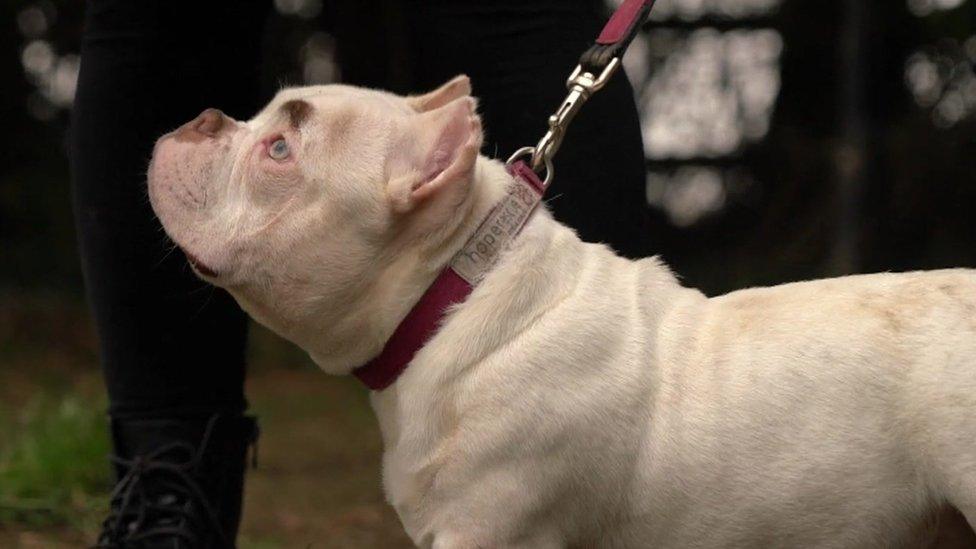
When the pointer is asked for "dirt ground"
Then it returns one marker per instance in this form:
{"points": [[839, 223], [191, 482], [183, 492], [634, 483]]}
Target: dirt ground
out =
{"points": [[318, 478]]}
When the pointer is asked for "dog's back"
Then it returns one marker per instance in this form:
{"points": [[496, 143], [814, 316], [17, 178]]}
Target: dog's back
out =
{"points": [[811, 411]]}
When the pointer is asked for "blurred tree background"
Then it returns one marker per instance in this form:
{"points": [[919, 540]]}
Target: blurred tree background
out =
{"points": [[785, 140]]}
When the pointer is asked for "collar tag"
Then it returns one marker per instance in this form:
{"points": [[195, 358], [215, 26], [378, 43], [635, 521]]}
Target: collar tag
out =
{"points": [[506, 219]]}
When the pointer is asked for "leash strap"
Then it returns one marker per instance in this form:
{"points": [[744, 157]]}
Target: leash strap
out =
{"points": [[618, 33]]}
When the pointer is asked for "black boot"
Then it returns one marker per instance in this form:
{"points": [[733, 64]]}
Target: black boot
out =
{"points": [[180, 482]]}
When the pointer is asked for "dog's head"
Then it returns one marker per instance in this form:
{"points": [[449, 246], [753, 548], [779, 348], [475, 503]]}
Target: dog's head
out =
{"points": [[301, 208]]}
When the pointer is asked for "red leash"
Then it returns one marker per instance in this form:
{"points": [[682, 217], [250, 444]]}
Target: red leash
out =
{"points": [[507, 218]]}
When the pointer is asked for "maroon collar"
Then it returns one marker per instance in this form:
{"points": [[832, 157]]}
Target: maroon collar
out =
{"points": [[457, 280]]}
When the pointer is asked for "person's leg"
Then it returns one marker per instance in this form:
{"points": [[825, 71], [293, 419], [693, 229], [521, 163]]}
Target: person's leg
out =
{"points": [[170, 343], [172, 347], [518, 54]]}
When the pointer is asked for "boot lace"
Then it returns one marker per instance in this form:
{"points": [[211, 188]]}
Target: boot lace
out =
{"points": [[158, 499]]}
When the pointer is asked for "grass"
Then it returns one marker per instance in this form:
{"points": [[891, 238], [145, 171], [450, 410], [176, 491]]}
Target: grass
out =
{"points": [[53, 468]]}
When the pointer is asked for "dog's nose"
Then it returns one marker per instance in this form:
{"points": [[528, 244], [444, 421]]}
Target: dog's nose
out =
{"points": [[207, 125], [209, 122]]}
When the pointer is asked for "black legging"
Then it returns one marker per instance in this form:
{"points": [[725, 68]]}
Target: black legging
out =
{"points": [[173, 346]]}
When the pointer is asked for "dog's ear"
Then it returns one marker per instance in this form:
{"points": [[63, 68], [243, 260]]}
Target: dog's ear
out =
{"points": [[457, 87], [434, 158]]}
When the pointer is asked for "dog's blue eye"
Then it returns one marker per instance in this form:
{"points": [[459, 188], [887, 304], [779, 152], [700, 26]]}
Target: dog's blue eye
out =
{"points": [[279, 149]]}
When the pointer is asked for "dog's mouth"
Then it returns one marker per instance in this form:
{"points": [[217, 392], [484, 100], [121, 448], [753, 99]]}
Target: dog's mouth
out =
{"points": [[200, 266]]}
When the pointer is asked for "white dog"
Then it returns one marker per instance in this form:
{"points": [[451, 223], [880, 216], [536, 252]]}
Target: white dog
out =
{"points": [[576, 398]]}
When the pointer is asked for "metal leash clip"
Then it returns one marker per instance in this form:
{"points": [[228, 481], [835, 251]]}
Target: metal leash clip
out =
{"points": [[581, 84], [602, 57]]}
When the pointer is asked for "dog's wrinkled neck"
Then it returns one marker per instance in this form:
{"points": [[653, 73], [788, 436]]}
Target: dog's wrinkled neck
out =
{"points": [[362, 330]]}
